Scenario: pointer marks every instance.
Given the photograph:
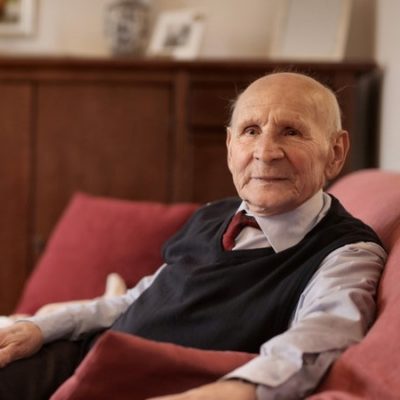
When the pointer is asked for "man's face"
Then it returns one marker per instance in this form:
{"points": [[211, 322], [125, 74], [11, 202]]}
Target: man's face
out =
{"points": [[281, 148]]}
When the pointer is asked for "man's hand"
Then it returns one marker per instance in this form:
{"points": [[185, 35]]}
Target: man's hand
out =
{"points": [[222, 390], [19, 340]]}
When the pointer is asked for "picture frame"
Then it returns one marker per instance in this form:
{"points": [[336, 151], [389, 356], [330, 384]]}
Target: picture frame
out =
{"points": [[17, 17], [312, 30], [177, 34]]}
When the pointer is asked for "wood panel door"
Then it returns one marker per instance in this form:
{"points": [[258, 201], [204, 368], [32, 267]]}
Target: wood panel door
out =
{"points": [[15, 169], [103, 139]]}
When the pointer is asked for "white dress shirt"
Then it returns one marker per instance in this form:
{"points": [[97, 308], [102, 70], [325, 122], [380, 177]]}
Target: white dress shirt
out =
{"points": [[334, 311]]}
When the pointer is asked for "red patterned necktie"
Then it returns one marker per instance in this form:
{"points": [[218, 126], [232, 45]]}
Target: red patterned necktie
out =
{"points": [[238, 222]]}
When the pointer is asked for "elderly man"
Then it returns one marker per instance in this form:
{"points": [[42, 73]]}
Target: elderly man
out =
{"points": [[298, 285]]}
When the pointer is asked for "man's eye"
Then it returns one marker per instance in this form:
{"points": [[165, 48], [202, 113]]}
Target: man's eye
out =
{"points": [[251, 131], [292, 132]]}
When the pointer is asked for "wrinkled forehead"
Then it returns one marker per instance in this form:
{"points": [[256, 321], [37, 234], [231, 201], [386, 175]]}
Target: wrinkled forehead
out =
{"points": [[290, 93]]}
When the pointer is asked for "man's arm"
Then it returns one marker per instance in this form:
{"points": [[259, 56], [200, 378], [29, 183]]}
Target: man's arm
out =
{"points": [[335, 311], [79, 319], [27, 336], [225, 390]]}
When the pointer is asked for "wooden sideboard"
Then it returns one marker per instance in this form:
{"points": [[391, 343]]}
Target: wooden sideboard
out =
{"points": [[133, 129]]}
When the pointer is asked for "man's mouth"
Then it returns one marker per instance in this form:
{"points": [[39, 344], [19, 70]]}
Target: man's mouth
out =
{"points": [[269, 178]]}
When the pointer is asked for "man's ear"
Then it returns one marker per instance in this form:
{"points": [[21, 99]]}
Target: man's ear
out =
{"points": [[339, 147], [228, 144]]}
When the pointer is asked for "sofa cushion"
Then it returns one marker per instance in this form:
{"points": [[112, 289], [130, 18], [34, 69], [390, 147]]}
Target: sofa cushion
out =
{"points": [[97, 236], [146, 368]]}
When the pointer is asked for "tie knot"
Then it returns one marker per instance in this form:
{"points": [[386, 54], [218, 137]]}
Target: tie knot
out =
{"points": [[239, 221]]}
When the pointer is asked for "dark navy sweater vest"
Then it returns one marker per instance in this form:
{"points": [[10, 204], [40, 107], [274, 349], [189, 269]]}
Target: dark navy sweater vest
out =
{"points": [[209, 298]]}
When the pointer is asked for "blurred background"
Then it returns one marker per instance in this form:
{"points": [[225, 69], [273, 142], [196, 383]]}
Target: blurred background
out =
{"points": [[234, 28]]}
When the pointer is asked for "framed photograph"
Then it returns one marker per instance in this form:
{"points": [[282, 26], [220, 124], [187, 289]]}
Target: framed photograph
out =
{"points": [[177, 34], [17, 17], [312, 30]]}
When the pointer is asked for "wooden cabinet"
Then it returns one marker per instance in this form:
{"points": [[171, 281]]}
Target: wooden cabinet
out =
{"points": [[143, 130]]}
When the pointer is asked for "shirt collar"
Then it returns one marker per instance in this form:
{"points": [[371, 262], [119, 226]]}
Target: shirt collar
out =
{"points": [[286, 230]]}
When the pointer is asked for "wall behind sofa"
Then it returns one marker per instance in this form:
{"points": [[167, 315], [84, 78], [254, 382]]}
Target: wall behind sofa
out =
{"points": [[74, 27], [388, 56], [235, 28]]}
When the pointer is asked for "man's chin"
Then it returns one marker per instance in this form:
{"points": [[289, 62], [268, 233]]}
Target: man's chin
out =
{"points": [[271, 203]]}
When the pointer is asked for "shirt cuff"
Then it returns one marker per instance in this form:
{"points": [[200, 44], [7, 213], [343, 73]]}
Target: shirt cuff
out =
{"points": [[288, 382], [57, 325]]}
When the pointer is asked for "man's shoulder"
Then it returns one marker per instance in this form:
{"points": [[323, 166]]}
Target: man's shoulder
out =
{"points": [[345, 223]]}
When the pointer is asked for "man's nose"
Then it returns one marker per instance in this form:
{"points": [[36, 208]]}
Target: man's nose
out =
{"points": [[268, 148]]}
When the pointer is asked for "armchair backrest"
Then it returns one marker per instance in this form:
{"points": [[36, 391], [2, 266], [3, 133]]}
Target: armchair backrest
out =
{"points": [[371, 369]]}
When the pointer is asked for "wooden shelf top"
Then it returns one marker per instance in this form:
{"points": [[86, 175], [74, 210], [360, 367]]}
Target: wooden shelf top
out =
{"points": [[21, 62]]}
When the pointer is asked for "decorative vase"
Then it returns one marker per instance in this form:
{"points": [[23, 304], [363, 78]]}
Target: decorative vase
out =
{"points": [[126, 26]]}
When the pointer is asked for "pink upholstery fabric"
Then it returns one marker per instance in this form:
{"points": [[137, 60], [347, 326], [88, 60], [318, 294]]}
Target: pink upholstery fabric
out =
{"points": [[373, 196], [371, 369], [96, 236], [145, 369]]}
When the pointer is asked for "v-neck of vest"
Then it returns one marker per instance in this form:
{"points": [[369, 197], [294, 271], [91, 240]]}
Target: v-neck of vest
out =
{"points": [[245, 253]]}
